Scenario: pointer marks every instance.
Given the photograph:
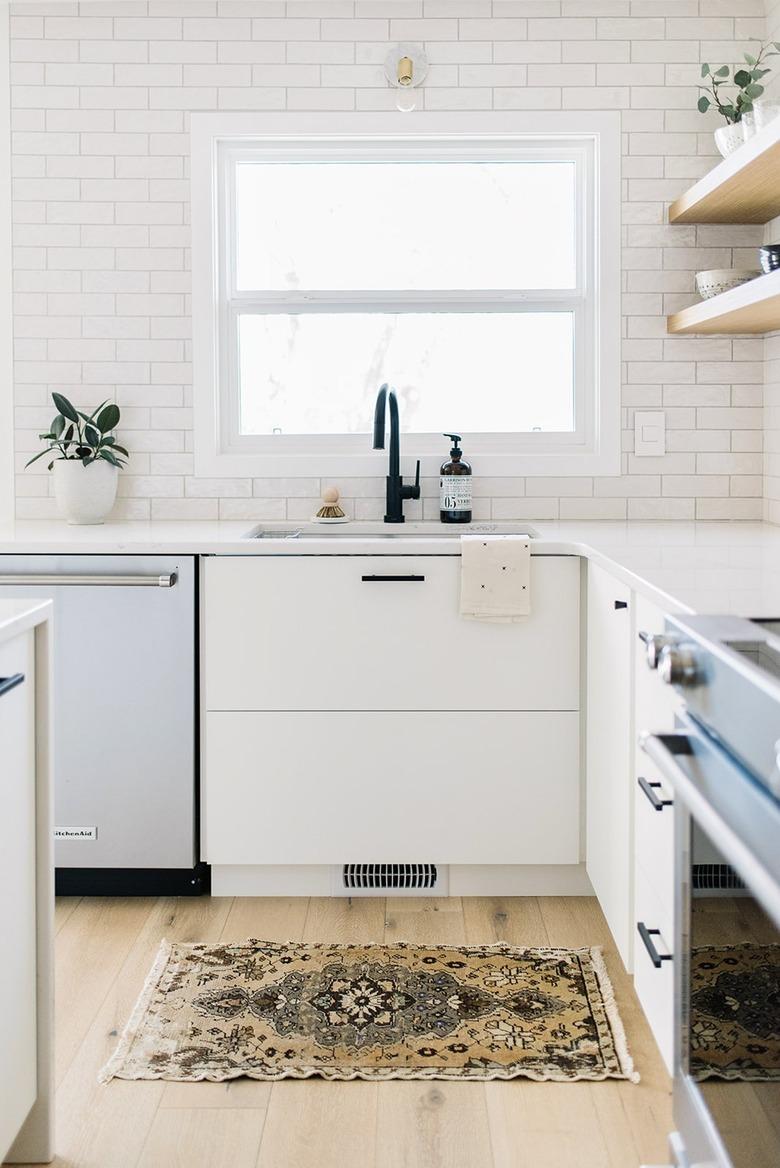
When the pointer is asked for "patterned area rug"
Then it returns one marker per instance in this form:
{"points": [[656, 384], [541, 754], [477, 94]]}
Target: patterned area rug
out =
{"points": [[273, 1010], [735, 1012]]}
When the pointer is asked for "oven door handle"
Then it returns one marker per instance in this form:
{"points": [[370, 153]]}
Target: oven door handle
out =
{"points": [[663, 749], [760, 875]]}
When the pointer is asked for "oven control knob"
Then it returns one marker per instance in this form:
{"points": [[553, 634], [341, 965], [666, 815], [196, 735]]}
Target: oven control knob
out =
{"points": [[679, 665], [654, 645]]}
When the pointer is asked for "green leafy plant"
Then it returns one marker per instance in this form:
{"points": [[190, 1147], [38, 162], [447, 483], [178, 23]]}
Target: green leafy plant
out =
{"points": [[83, 437], [747, 82]]}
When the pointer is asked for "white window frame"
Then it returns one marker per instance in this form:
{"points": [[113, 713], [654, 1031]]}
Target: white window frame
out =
{"points": [[591, 140]]}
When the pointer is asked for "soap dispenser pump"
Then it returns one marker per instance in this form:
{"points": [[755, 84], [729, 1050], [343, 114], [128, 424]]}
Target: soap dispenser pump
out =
{"points": [[455, 486]]}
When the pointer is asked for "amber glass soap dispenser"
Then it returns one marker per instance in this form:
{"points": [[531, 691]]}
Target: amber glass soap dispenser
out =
{"points": [[455, 486]]}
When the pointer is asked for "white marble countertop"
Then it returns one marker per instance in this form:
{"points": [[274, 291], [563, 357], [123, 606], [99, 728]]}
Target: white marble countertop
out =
{"points": [[17, 616], [709, 567]]}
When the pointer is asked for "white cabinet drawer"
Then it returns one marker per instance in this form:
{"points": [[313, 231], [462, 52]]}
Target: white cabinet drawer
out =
{"points": [[654, 840], [323, 633], [654, 983], [449, 788]]}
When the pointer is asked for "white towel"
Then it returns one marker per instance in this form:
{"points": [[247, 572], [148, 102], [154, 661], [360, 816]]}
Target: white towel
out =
{"points": [[495, 577]]}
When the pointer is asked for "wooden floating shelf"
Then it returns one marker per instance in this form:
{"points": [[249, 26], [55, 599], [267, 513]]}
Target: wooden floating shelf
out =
{"points": [[743, 188], [751, 308]]}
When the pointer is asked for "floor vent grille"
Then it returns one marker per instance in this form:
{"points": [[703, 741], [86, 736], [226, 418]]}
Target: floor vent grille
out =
{"points": [[715, 876], [389, 876]]}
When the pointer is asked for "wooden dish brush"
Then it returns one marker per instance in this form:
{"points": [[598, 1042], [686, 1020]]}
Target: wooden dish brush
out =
{"points": [[330, 511]]}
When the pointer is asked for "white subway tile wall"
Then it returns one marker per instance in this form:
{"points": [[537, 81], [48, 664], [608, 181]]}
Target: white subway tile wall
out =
{"points": [[101, 97]]}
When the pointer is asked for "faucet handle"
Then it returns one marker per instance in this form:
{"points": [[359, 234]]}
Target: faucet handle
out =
{"points": [[412, 492]]}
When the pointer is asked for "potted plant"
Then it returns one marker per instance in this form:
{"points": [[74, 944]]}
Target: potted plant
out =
{"points": [[747, 79], [86, 460]]}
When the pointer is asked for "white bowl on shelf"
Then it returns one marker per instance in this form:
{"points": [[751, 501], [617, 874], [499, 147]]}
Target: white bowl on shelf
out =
{"points": [[717, 280]]}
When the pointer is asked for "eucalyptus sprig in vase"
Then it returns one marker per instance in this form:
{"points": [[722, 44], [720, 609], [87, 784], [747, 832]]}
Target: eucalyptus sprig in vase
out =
{"points": [[86, 458], [744, 87]]}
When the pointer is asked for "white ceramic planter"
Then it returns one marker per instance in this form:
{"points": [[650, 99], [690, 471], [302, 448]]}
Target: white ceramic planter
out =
{"points": [[729, 138], [84, 494]]}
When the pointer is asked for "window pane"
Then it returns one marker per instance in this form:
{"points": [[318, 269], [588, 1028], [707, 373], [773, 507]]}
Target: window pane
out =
{"points": [[405, 225], [481, 372]]}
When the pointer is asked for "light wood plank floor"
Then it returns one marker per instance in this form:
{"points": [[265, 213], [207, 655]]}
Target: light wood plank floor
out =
{"points": [[105, 948]]}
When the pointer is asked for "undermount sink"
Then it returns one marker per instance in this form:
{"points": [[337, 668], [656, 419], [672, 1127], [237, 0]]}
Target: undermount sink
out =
{"points": [[366, 530]]}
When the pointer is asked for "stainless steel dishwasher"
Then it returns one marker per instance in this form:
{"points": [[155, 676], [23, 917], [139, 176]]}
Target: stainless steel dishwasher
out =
{"points": [[125, 756]]}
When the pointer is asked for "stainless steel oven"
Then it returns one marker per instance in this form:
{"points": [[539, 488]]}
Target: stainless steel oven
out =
{"points": [[722, 763]]}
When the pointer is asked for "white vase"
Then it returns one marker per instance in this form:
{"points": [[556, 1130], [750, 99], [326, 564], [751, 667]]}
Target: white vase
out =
{"points": [[729, 138], [84, 494]]}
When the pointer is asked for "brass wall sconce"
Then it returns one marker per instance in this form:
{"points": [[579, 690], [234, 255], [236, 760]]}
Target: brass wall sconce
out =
{"points": [[405, 69]]}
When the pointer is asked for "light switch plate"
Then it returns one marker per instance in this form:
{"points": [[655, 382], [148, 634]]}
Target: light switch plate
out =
{"points": [[649, 433]]}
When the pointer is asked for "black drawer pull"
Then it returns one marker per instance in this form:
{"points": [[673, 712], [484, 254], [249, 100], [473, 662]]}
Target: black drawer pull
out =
{"points": [[647, 937], [9, 683], [376, 579], [621, 604], [648, 789]]}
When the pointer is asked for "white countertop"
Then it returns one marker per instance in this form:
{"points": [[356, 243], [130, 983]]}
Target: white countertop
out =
{"points": [[708, 567], [17, 616]]}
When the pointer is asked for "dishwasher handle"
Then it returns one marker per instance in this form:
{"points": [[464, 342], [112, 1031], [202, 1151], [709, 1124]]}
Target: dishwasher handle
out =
{"points": [[58, 579]]}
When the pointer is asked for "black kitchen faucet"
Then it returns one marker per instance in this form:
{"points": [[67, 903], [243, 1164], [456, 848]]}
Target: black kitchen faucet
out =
{"points": [[396, 491]]}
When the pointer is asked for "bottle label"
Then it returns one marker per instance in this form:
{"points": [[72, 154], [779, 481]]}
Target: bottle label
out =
{"points": [[455, 492]]}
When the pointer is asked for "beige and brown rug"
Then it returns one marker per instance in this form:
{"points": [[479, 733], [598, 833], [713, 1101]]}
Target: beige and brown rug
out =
{"points": [[272, 1010], [735, 1012]]}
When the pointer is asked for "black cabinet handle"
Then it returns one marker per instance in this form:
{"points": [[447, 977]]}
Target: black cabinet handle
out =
{"points": [[647, 937], [377, 579], [9, 683], [621, 604], [649, 790]]}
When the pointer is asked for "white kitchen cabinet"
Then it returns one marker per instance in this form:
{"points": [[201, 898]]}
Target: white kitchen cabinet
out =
{"points": [[326, 787], [654, 964], [17, 888], [353, 716], [26, 885], [630, 828], [655, 706], [383, 633], [609, 791]]}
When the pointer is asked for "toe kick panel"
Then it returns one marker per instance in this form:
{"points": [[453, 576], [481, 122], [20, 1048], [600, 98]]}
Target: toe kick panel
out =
{"points": [[327, 787]]}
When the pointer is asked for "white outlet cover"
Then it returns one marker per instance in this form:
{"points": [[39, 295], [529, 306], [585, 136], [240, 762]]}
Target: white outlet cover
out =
{"points": [[649, 433]]}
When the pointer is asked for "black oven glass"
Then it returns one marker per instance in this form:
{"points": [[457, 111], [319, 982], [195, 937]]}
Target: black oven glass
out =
{"points": [[732, 1021]]}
